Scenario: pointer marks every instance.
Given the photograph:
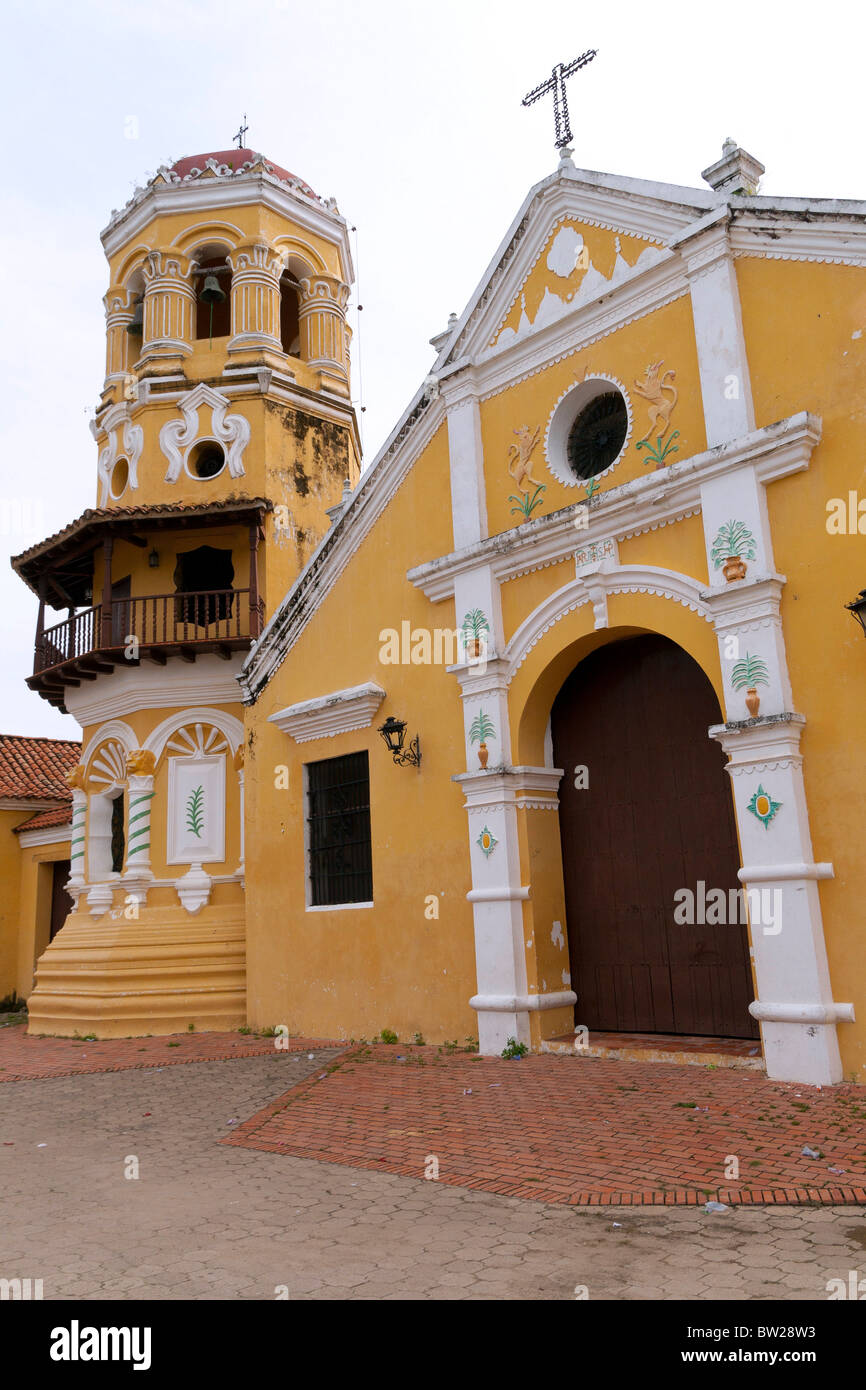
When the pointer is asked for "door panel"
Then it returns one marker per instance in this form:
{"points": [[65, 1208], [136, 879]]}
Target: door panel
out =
{"points": [[656, 817]]}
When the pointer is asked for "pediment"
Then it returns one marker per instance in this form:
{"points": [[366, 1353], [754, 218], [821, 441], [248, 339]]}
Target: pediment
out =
{"points": [[577, 237]]}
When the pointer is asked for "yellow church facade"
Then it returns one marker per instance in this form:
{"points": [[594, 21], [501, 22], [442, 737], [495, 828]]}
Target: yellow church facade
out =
{"points": [[544, 725]]}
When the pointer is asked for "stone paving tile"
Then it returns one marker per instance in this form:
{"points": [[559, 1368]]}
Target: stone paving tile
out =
{"points": [[579, 1131], [23, 1057], [211, 1221]]}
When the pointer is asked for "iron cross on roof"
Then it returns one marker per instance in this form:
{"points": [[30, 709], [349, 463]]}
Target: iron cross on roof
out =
{"points": [[556, 83], [242, 133]]}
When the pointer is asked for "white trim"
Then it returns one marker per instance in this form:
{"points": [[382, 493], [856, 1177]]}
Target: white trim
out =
{"points": [[230, 727], [30, 803], [216, 194], [503, 894], [780, 873], [335, 907], [534, 1003], [801, 1013], [49, 835], [114, 728], [776, 451], [208, 680], [329, 715]]}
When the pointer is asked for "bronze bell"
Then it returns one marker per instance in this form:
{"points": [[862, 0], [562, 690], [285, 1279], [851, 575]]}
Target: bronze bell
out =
{"points": [[135, 327], [211, 292]]}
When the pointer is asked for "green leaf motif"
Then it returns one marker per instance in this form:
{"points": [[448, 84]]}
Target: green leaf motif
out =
{"points": [[732, 538], [526, 504], [195, 812], [658, 453], [475, 623], [482, 728], [751, 671]]}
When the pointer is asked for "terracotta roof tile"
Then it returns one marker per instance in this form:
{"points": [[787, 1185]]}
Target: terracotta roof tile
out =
{"points": [[35, 768], [96, 515], [54, 815], [235, 159]]}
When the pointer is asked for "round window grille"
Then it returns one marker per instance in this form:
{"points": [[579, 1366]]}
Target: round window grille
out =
{"points": [[597, 435]]}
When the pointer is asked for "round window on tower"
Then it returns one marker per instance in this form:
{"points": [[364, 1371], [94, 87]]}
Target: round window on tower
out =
{"points": [[119, 478], [206, 459], [588, 430]]}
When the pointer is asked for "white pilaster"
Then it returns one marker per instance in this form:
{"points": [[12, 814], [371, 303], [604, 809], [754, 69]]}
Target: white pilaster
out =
{"points": [[795, 1003], [722, 363], [466, 454]]}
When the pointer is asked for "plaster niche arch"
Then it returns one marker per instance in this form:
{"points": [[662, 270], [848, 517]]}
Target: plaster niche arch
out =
{"points": [[572, 623], [210, 259], [594, 583], [200, 234], [133, 260], [105, 779], [230, 728]]}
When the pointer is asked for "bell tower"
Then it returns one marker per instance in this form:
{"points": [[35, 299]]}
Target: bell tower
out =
{"points": [[224, 436]]}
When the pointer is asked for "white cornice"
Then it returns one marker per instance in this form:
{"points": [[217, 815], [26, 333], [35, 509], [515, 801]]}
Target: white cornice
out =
{"points": [[652, 500], [30, 804], [332, 714], [49, 835], [630, 213], [219, 194], [207, 681]]}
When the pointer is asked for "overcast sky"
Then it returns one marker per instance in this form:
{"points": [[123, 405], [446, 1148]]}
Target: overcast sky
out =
{"points": [[410, 115]]}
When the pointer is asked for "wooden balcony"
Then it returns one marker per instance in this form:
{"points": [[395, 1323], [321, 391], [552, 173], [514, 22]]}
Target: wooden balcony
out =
{"points": [[150, 628]]}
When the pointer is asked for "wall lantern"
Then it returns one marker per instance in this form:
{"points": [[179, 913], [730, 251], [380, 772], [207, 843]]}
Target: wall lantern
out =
{"points": [[858, 609], [393, 732], [153, 559]]}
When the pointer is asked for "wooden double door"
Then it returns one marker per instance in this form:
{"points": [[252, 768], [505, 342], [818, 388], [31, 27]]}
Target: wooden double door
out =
{"points": [[655, 817]]}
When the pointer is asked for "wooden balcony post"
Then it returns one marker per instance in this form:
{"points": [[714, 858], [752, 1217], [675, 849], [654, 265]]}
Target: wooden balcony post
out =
{"points": [[40, 628], [107, 549], [254, 579]]}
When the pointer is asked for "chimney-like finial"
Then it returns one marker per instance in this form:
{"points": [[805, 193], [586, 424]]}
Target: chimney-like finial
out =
{"points": [[736, 172]]}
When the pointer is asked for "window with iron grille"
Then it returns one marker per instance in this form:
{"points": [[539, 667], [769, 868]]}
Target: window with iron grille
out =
{"points": [[338, 817]]}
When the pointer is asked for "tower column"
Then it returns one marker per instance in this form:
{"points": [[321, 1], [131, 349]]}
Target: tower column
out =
{"points": [[169, 311], [119, 312], [141, 765], [256, 270], [322, 318]]}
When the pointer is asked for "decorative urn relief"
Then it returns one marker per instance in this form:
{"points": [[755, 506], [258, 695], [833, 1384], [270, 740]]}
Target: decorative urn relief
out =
{"points": [[474, 628], [482, 729], [749, 673], [732, 546]]}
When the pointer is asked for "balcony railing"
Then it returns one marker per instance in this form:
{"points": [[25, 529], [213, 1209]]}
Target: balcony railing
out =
{"points": [[205, 620]]}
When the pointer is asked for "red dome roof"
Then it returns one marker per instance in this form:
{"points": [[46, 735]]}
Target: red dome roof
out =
{"points": [[235, 158]]}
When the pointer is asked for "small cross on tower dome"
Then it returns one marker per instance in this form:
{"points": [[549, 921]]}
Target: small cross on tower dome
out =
{"points": [[241, 135]]}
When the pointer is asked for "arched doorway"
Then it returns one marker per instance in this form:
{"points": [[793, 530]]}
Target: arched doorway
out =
{"points": [[655, 818]]}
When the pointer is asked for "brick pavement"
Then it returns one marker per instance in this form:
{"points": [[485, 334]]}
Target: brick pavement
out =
{"points": [[209, 1221], [23, 1057], [581, 1131]]}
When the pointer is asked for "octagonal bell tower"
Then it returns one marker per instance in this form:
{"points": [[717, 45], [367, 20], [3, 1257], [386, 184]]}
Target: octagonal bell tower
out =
{"points": [[224, 435]]}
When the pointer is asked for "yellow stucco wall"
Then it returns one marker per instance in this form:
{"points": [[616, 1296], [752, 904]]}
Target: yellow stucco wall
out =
{"points": [[354, 971], [10, 879]]}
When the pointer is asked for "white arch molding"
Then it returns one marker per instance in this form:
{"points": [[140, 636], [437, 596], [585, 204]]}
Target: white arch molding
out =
{"points": [[227, 724], [114, 728], [594, 587]]}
